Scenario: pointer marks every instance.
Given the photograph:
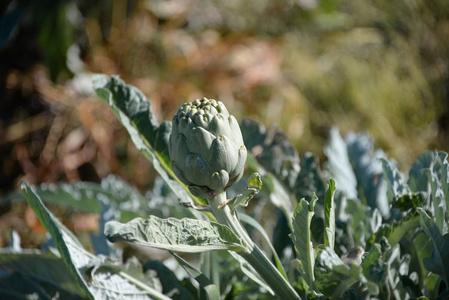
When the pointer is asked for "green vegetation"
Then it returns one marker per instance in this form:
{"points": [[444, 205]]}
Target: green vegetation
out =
{"points": [[373, 232], [318, 87]]}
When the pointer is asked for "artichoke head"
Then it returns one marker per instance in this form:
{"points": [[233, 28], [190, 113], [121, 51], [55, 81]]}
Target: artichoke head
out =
{"points": [[206, 147]]}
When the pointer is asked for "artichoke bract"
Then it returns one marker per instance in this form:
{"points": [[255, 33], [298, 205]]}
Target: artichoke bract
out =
{"points": [[206, 147]]}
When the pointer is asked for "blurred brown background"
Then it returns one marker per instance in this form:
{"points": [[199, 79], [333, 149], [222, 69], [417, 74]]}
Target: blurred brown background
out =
{"points": [[306, 65]]}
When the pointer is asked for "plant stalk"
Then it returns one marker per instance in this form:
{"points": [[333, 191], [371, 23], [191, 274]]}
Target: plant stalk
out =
{"points": [[253, 254]]}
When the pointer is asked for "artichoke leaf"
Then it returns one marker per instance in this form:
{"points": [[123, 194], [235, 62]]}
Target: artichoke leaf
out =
{"points": [[179, 235], [254, 186]]}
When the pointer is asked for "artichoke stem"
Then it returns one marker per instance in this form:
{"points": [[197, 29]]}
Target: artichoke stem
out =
{"points": [[252, 254], [224, 216]]}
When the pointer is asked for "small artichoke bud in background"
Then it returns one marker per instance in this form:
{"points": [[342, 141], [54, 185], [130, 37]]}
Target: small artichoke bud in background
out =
{"points": [[206, 147]]}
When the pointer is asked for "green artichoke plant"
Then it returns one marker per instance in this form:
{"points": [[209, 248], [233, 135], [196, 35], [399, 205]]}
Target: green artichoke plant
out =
{"points": [[206, 147]]}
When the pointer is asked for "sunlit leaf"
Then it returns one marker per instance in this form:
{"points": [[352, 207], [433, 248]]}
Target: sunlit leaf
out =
{"points": [[368, 170], [211, 289], [417, 179], [252, 222], [254, 186], [184, 235], [102, 284], [134, 111], [301, 237], [339, 164], [396, 185], [249, 271], [273, 150], [171, 285], [42, 268], [70, 249], [309, 180], [439, 262], [272, 187], [329, 216]]}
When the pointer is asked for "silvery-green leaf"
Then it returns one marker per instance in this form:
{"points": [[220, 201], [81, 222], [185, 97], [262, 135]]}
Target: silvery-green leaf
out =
{"points": [[334, 277], [107, 285], [277, 193], [439, 262], [171, 285], [339, 164], [326, 280], [133, 104], [70, 249], [396, 185], [249, 271], [309, 180], [180, 235], [363, 221], [84, 196], [417, 180], [212, 267], [252, 222], [42, 268], [254, 186], [134, 111], [273, 151], [211, 289], [301, 237], [368, 170], [329, 216], [437, 176], [394, 232]]}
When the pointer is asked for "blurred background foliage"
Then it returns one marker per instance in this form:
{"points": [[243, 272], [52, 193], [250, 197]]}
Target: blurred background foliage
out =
{"points": [[306, 65]]}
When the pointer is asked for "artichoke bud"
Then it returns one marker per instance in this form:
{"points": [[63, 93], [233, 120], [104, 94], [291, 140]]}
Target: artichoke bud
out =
{"points": [[206, 147]]}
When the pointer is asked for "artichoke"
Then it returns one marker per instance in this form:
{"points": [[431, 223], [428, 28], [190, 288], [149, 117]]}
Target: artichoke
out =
{"points": [[206, 147]]}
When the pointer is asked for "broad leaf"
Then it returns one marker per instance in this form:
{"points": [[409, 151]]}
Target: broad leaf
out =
{"points": [[185, 235], [249, 271], [272, 150], [102, 284], [42, 268], [301, 237], [171, 285], [80, 196], [252, 222], [272, 188], [115, 282], [127, 101], [134, 111], [309, 181], [362, 222], [439, 262], [326, 280], [334, 277], [329, 216], [417, 179], [395, 232], [254, 186], [70, 249], [339, 164], [437, 176], [211, 289], [19, 286], [396, 185], [88, 196], [211, 268], [368, 170]]}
